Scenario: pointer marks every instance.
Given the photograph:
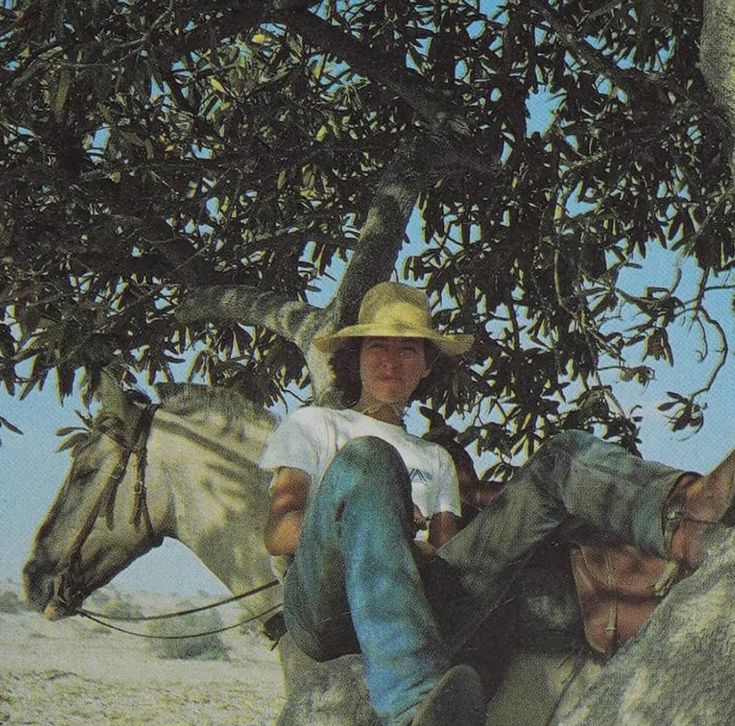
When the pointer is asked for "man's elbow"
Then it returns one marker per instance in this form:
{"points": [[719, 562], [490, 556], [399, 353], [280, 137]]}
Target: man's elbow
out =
{"points": [[273, 547], [282, 533], [271, 540]]}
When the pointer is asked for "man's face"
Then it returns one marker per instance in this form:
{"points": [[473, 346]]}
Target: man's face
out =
{"points": [[391, 369]]}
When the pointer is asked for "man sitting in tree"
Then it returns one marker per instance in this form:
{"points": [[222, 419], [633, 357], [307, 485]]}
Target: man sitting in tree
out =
{"points": [[352, 493]]}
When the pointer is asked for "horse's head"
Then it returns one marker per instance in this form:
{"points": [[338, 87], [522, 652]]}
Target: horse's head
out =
{"points": [[101, 519]]}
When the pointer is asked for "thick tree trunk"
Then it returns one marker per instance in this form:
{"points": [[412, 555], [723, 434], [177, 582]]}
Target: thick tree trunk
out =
{"points": [[717, 59]]}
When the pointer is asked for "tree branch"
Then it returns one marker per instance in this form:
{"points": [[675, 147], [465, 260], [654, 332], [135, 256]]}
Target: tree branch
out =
{"points": [[439, 115], [717, 59], [295, 237], [382, 235], [246, 305], [296, 321], [632, 81]]}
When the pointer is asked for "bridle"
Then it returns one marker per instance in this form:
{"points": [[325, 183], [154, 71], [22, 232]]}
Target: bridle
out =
{"points": [[68, 591]]}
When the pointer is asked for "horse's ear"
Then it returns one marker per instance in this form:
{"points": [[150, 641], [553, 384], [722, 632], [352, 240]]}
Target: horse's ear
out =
{"points": [[111, 396]]}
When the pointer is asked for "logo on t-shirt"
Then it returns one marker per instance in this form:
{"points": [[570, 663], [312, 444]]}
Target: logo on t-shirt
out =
{"points": [[418, 475]]}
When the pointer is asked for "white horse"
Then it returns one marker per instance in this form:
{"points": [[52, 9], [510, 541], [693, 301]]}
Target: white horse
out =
{"points": [[197, 479], [188, 470]]}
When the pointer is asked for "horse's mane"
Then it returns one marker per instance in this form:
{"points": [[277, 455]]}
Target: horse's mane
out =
{"points": [[187, 399], [235, 414]]}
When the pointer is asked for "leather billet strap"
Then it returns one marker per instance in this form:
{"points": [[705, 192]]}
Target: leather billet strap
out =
{"points": [[140, 504]]}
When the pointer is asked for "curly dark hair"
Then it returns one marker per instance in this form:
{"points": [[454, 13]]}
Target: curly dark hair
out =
{"points": [[345, 363]]}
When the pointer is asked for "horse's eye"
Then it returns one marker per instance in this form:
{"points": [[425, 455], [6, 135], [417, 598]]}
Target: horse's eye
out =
{"points": [[83, 476]]}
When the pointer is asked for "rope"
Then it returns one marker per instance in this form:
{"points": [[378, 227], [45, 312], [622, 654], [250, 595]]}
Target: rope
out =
{"points": [[85, 614], [91, 614]]}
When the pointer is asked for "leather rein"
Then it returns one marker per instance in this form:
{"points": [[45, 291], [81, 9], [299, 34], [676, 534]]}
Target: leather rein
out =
{"points": [[69, 594]]}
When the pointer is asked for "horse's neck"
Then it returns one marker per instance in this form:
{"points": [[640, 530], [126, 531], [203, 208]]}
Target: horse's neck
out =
{"points": [[218, 495]]}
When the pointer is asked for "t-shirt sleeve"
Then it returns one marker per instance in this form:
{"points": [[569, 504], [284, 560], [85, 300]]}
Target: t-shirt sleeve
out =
{"points": [[295, 443], [449, 499]]}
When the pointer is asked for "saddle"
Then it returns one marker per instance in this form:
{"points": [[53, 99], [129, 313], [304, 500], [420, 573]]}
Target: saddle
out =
{"points": [[618, 587]]}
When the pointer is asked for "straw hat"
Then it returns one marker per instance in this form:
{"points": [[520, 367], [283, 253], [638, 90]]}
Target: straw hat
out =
{"points": [[394, 310]]}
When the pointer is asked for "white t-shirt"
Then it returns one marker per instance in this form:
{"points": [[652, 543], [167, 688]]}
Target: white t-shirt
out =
{"points": [[309, 438]]}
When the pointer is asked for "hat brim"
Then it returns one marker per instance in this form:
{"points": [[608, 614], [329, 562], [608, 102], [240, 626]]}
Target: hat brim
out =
{"points": [[449, 344]]}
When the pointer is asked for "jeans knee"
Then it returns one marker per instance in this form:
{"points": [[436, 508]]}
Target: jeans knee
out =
{"points": [[370, 455], [551, 463], [370, 467], [570, 442], [369, 473]]}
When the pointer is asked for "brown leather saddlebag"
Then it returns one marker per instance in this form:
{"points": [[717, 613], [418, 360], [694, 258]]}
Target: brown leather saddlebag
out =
{"points": [[618, 588]]}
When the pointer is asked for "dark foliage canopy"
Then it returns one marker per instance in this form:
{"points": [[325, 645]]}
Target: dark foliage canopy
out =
{"points": [[159, 157]]}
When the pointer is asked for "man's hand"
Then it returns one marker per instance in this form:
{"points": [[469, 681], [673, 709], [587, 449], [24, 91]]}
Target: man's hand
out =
{"points": [[419, 520]]}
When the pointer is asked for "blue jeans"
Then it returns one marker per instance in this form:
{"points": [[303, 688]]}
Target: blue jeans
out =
{"points": [[354, 584]]}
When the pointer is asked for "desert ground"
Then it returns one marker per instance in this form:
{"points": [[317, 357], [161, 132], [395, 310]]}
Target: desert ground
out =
{"points": [[77, 672]]}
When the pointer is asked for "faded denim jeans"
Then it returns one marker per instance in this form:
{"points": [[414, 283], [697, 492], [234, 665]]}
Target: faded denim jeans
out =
{"points": [[354, 585]]}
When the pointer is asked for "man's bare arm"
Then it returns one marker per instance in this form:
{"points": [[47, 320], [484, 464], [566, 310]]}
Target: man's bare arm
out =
{"points": [[289, 494], [442, 527]]}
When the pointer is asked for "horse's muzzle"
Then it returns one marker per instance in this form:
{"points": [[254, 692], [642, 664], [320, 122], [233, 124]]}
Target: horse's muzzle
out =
{"points": [[56, 610], [67, 598]]}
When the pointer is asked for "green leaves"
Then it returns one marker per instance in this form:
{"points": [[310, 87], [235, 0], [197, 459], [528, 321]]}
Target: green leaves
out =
{"points": [[4, 423], [683, 412], [152, 148]]}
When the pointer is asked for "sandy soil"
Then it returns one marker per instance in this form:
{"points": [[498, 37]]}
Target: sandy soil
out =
{"points": [[76, 672]]}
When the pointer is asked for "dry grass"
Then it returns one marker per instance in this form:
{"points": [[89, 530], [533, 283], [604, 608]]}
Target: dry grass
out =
{"points": [[74, 673]]}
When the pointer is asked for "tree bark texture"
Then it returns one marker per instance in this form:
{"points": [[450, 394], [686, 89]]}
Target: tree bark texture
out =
{"points": [[717, 59], [244, 304]]}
